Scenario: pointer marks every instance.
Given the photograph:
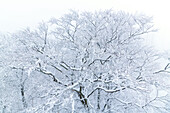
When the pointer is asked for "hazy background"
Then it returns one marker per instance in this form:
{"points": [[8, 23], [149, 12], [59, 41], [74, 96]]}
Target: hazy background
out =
{"points": [[18, 14]]}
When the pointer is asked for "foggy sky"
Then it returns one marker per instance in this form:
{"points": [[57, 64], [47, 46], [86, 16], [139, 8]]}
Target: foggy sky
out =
{"points": [[18, 14]]}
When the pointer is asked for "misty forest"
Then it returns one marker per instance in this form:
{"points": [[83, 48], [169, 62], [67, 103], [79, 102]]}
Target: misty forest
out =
{"points": [[88, 62]]}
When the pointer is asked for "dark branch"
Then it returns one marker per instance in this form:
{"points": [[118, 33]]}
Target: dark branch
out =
{"points": [[105, 90], [101, 61], [50, 74]]}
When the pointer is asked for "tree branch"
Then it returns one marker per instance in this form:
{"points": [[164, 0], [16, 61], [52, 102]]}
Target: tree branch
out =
{"points": [[50, 74], [105, 90]]}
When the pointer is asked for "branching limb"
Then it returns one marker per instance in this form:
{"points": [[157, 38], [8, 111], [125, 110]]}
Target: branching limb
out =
{"points": [[105, 90], [50, 74]]}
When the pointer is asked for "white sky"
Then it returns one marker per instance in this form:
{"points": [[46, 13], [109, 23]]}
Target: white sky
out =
{"points": [[18, 14]]}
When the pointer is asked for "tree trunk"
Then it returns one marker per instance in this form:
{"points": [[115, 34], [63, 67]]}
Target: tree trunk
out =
{"points": [[23, 96], [98, 99]]}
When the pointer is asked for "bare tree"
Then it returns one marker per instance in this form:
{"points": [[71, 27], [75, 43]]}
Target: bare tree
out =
{"points": [[88, 62]]}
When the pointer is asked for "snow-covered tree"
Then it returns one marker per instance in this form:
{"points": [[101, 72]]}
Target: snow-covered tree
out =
{"points": [[86, 62]]}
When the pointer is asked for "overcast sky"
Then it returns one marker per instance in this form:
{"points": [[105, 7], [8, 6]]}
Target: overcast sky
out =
{"points": [[18, 14]]}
